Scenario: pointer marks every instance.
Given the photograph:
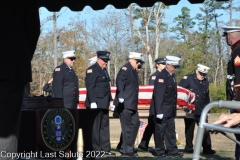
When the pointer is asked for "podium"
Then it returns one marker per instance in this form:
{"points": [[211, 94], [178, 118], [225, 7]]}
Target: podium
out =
{"points": [[54, 130]]}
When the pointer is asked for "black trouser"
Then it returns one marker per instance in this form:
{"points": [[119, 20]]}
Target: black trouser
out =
{"points": [[130, 123], [165, 129], [11, 97], [189, 134], [100, 131], [237, 147], [149, 130]]}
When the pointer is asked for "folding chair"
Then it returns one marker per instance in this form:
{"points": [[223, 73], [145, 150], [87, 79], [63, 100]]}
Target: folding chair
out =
{"points": [[212, 127]]}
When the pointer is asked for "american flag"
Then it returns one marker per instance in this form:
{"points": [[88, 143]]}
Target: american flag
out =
{"points": [[142, 127]]}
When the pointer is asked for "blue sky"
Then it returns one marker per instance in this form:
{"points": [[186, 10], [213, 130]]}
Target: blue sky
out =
{"points": [[87, 13]]}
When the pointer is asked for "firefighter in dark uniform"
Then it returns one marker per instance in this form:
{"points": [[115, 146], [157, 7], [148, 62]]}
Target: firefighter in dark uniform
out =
{"points": [[149, 130], [164, 102], [232, 35], [198, 84], [65, 81], [160, 64], [126, 102], [98, 97]]}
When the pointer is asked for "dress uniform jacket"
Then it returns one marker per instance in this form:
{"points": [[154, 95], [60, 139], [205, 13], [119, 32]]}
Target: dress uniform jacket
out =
{"points": [[153, 77], [201, 91], [127, 87], [165, 94], [234, 68], [98, 87], [65, 85]]}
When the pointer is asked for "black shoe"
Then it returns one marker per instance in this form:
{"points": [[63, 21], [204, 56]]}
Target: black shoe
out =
{"points": [[110, 154], [135, 150], [162, 155], [142, 149], [176, 155], [210, 151], [121, 150], [132, 154], [188, 150], [166, 151]]}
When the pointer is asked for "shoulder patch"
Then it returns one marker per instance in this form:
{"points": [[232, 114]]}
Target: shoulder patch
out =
{"points": [[89, 71], [185, 77], [153, 77], [124, 68], [161, 80], [237, 61], [57, 69]]}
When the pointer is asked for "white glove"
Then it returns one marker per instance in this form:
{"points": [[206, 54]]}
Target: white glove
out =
{"points": [[160, 116], [112, 107], [187, 109], [93, 105], [121, 100]]}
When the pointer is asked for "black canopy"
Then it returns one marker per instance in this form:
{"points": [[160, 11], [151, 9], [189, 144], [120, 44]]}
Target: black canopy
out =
{"points": [[78, 5]]}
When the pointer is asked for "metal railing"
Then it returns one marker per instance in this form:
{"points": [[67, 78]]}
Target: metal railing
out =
{"points": [[212, 127]]}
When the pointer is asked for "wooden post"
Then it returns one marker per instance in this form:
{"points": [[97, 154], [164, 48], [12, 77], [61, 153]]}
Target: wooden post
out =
{"points": [[80, 144]]}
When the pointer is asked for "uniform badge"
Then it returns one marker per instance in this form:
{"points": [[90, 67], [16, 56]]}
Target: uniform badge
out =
{"points": [[161, 80], [185, 77], [153, 77], [57, 69], [89, 71], [237, 61], [124, 68]]}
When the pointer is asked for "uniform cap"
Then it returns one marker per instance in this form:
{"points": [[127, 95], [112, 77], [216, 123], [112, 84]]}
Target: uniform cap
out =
{"points": [[173, 60], [103, 55], [160, 61], [68, 54], [135, 55], [203, 69], [229, 29], [92, 60]]}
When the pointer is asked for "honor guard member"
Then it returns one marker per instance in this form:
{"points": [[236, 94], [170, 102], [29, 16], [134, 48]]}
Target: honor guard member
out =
{"points": [[164, 102], [149, 130], [232, 35], [126, 102], [160, 64], [198, 84], [65, 81], [97, 83]]}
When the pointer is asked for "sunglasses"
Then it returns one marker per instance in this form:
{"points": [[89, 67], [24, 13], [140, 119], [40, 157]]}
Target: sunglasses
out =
{"points": [[176, 66], [225, 34], [104, 60], [202, 74], [72, 58]]}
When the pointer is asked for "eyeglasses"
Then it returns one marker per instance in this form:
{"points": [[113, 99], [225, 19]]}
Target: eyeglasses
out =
{"points": [[162, 63], [72, 58], [202, 74]]}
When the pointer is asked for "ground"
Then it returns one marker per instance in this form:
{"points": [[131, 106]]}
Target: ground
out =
{"points": [[224, 146]]}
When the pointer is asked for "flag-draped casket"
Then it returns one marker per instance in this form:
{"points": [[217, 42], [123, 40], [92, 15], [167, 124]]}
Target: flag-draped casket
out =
{"points": [[185, 97]]}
